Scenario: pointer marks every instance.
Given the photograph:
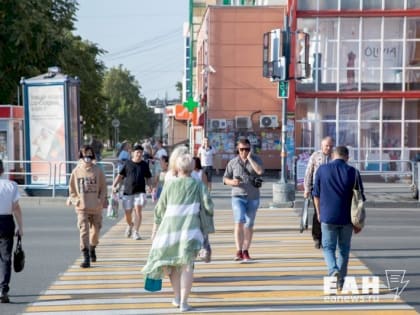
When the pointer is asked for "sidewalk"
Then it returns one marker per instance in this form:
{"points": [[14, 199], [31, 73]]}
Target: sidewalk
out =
{"points": [[378, 195]]}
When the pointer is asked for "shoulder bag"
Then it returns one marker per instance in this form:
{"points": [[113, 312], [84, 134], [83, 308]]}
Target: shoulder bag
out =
{"points": [[358, 211]]}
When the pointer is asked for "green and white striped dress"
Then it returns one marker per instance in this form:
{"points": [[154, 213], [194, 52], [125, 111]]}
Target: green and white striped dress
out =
{"points": [[178, 238]]}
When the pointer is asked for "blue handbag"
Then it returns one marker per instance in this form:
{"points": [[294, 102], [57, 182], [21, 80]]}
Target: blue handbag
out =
{"points": [[152, 285]]}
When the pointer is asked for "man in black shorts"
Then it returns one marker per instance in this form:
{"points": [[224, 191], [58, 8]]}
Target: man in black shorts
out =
{"points": [[206, 153]]}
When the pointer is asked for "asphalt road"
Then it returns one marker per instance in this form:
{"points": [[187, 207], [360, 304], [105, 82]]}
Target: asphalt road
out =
{"points": [[391, 242], [51, 244]]}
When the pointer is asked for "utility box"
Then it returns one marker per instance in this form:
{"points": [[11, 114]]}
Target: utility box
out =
{"points": [[52, 127]]}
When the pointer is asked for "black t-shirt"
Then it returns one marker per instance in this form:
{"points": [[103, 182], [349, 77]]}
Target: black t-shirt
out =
{"points": [[135, 174]]}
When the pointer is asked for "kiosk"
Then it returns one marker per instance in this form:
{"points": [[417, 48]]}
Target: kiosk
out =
{"points": [[52, 130]]}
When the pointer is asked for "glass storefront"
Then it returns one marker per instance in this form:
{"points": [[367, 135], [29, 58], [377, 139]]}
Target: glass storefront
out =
{"points": [[361, 55], [357, 4], [374, 129]]}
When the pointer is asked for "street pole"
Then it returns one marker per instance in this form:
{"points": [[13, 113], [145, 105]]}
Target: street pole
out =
{"points": [[284, 193], [283, 175]]}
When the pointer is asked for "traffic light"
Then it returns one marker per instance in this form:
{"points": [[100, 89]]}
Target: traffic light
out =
{"points": [[283, 91], [277, 57], [274, 61]]}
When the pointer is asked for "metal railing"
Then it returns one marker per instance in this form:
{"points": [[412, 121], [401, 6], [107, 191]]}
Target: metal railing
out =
{"points": [[387, 169], [47, 175]]}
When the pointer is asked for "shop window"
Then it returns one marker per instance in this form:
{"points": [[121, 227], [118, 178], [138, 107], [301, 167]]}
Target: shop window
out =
{"points": [[391, 134], [305, 110], [369, 134], [347, 110], [413, 4], [327, 109], [392, 110], [413, 37], [3, 145], [394, 4], [412, 111], [304, 134], [328, 4], [393, 79], [329, 129], [412, 134], [369, 110], [307, 5], [347, 134], [371, 28], [350, 5], [372, 4]]}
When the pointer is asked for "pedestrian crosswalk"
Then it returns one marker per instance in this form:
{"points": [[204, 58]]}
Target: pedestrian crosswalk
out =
{"points": [[285, 276]]}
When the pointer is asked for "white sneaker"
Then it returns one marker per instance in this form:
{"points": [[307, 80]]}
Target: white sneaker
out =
{"points": [[184, 307], [175, 302], [128, 231], [136, 236]]}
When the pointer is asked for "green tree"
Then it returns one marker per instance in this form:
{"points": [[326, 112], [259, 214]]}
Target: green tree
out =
{"points": [[178, 86], [35, 35], [32, 37], [125, 103], [80, 59]]}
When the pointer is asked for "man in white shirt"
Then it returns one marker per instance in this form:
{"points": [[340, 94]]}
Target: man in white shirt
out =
{"points": [[159, 152], [206, 153], [9, 207]]}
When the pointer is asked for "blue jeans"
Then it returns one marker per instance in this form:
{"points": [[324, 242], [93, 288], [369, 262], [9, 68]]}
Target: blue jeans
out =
{"points": [[244, 210], [331, 235]]}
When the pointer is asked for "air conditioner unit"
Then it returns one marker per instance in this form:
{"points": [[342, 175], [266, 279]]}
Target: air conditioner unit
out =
{"points": [[217, 124], [269, 121], [243, 122]]}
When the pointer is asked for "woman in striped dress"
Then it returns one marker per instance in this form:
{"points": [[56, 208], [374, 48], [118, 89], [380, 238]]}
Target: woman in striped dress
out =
{"points": [[177, 236]]}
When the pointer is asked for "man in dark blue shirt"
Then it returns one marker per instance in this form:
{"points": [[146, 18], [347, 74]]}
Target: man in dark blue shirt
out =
{"points": [[332, 192]]}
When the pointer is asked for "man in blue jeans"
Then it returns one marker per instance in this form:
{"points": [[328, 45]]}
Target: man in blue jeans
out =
{"points": [[332, 192], [240, 174]]}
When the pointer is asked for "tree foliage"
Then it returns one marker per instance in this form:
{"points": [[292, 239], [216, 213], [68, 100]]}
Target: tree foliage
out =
{"points": [[35, 35], [178, 86], [126, 104], [32, 38]]}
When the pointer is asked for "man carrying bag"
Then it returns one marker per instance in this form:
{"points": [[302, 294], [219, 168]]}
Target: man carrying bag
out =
{"points": [[9, 210]]}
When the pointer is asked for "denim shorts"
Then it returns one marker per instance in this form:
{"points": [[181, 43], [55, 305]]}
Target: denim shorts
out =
{"points": [[208, 170], [129, 201], [244, 210]]}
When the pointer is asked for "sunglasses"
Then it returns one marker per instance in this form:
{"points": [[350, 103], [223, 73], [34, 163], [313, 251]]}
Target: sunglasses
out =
{"points": [[244, 149]]}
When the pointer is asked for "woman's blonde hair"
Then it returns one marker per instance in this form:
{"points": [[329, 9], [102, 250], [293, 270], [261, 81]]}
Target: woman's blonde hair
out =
{"points": [[177, 152], [184, 163]]}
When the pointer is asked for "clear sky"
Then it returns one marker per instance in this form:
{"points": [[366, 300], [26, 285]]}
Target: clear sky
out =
{"points": [[144, 36]]}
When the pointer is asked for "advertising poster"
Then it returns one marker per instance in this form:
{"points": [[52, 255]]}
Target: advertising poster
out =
{"points": [[46, 127]]}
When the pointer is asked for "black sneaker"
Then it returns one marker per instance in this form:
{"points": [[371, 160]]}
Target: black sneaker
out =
{"points": [[92, 255], [4, 298], [317, 244]]}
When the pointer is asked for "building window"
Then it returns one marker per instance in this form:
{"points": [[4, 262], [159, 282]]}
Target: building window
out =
{"points": [[363, 54], [373, 129]]}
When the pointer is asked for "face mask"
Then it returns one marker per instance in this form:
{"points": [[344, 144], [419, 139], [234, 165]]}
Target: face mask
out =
{"points": [[87, 159]]}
